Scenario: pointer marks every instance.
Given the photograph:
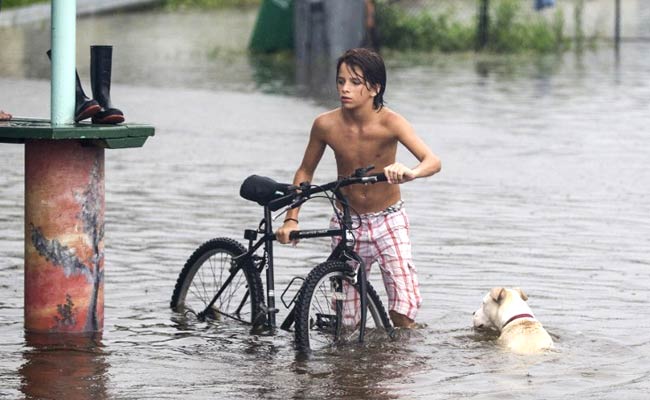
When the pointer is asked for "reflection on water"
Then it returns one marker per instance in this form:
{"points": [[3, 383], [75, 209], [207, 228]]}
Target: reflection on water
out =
{"points": [[64, 367], [544, 186]]}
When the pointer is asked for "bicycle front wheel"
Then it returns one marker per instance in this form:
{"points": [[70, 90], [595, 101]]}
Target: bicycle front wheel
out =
{"points": [[211, 272], [328, 308]]}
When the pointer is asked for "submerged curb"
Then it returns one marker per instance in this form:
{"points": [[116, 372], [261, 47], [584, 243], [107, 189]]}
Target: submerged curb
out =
{"points": [[40, 12]]}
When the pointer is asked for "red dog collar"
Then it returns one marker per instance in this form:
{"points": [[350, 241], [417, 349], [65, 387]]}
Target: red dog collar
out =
{"points": [[517, 317]]}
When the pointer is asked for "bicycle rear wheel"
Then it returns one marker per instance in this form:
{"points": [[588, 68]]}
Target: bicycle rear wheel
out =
{"points": [[211, 270], [328, 309]]}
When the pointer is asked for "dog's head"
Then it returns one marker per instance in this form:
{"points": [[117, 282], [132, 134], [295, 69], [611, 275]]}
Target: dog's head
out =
{"points": [[498, 305]]}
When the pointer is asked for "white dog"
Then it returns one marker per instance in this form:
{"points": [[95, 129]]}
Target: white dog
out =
{"points": [[506, 311]]}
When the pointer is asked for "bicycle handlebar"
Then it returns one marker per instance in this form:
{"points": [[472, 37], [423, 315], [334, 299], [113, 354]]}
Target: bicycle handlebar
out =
{"points": [[302, 193], [352, 180]]}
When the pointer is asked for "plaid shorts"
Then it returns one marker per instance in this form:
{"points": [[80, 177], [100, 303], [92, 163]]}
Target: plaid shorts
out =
{"points": [[383, 237]]}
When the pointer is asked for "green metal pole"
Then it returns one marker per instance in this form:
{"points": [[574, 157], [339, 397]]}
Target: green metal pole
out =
{"points": [[62, 100], [617, 23], [483, 24]]}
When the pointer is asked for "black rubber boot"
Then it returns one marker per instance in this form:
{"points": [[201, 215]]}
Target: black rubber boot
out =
{"points": [[100, 81], [84, 107]]}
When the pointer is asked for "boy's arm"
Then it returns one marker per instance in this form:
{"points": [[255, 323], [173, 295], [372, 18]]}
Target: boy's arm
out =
{"points": [[429, 162], [313, 154]]}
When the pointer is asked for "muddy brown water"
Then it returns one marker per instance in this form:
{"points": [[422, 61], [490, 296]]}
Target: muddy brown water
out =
{"points": [[545, 185]]}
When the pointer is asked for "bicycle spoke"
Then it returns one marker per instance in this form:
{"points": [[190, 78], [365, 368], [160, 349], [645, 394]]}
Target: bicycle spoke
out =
{"points": [[210, 287], [233, 287]]}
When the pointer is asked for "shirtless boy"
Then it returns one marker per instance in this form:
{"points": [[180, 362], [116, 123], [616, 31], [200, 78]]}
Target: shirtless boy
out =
{"points": [[363, 132], [4, 116]]}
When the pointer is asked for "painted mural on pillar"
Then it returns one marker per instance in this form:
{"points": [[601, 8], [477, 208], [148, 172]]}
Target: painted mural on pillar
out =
{"points": [[65, 264]]}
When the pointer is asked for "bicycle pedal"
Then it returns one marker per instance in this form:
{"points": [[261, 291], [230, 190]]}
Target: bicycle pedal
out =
{"points": [[265, 310]]}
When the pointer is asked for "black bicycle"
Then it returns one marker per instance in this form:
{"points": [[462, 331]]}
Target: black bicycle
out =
{"points": [[223, 279]]}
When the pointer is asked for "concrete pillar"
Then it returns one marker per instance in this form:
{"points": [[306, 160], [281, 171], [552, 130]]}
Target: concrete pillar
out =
{"points": [[64, 237], [323, 30]]}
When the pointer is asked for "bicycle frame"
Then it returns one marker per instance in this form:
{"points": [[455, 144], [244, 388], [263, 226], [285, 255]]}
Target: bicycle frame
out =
{"points": [[341, 252]]}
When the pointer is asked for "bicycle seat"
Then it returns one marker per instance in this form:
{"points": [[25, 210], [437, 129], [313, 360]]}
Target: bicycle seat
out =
{"points": [[263, 191]]}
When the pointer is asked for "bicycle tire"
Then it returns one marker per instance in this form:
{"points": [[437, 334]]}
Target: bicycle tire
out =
{"points": [[204, 274], [316, 327]]}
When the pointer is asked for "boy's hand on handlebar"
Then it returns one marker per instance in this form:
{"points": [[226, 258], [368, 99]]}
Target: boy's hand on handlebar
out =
{"points": [[282, 234], [399, 173]]}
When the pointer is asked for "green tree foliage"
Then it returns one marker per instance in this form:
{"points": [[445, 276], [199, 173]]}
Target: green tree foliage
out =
{"points": [[400, 29], [20, 3], [511, 32], [511, 29], [183, 4]]}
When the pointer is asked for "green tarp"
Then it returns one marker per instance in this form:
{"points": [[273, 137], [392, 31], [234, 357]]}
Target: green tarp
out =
{"points": [[274, 27]]}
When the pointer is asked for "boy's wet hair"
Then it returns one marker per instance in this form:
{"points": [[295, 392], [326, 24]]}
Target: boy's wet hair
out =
{"points": [[372, 67]]}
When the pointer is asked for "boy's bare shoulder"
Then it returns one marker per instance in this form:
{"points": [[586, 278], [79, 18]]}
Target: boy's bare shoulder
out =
{"points": [[329, 116], [390, 118], [327, 120]]}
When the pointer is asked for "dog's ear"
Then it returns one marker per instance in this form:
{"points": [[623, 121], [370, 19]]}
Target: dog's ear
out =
{"points": [[498, 294], [523, 295]]}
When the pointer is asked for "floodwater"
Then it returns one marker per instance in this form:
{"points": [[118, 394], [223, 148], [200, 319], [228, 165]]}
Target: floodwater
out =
{"points": [[545, 185]]}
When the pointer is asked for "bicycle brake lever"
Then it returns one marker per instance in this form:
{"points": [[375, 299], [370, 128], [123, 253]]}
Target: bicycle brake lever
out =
{"points": [[290, 206], [298, 203]]}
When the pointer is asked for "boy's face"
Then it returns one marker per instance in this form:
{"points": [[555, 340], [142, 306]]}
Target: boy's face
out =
{"points": [[352, 87]]}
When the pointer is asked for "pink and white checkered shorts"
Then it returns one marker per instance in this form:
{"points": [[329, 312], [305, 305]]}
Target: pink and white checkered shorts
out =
{"points": [[383, 237]]}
